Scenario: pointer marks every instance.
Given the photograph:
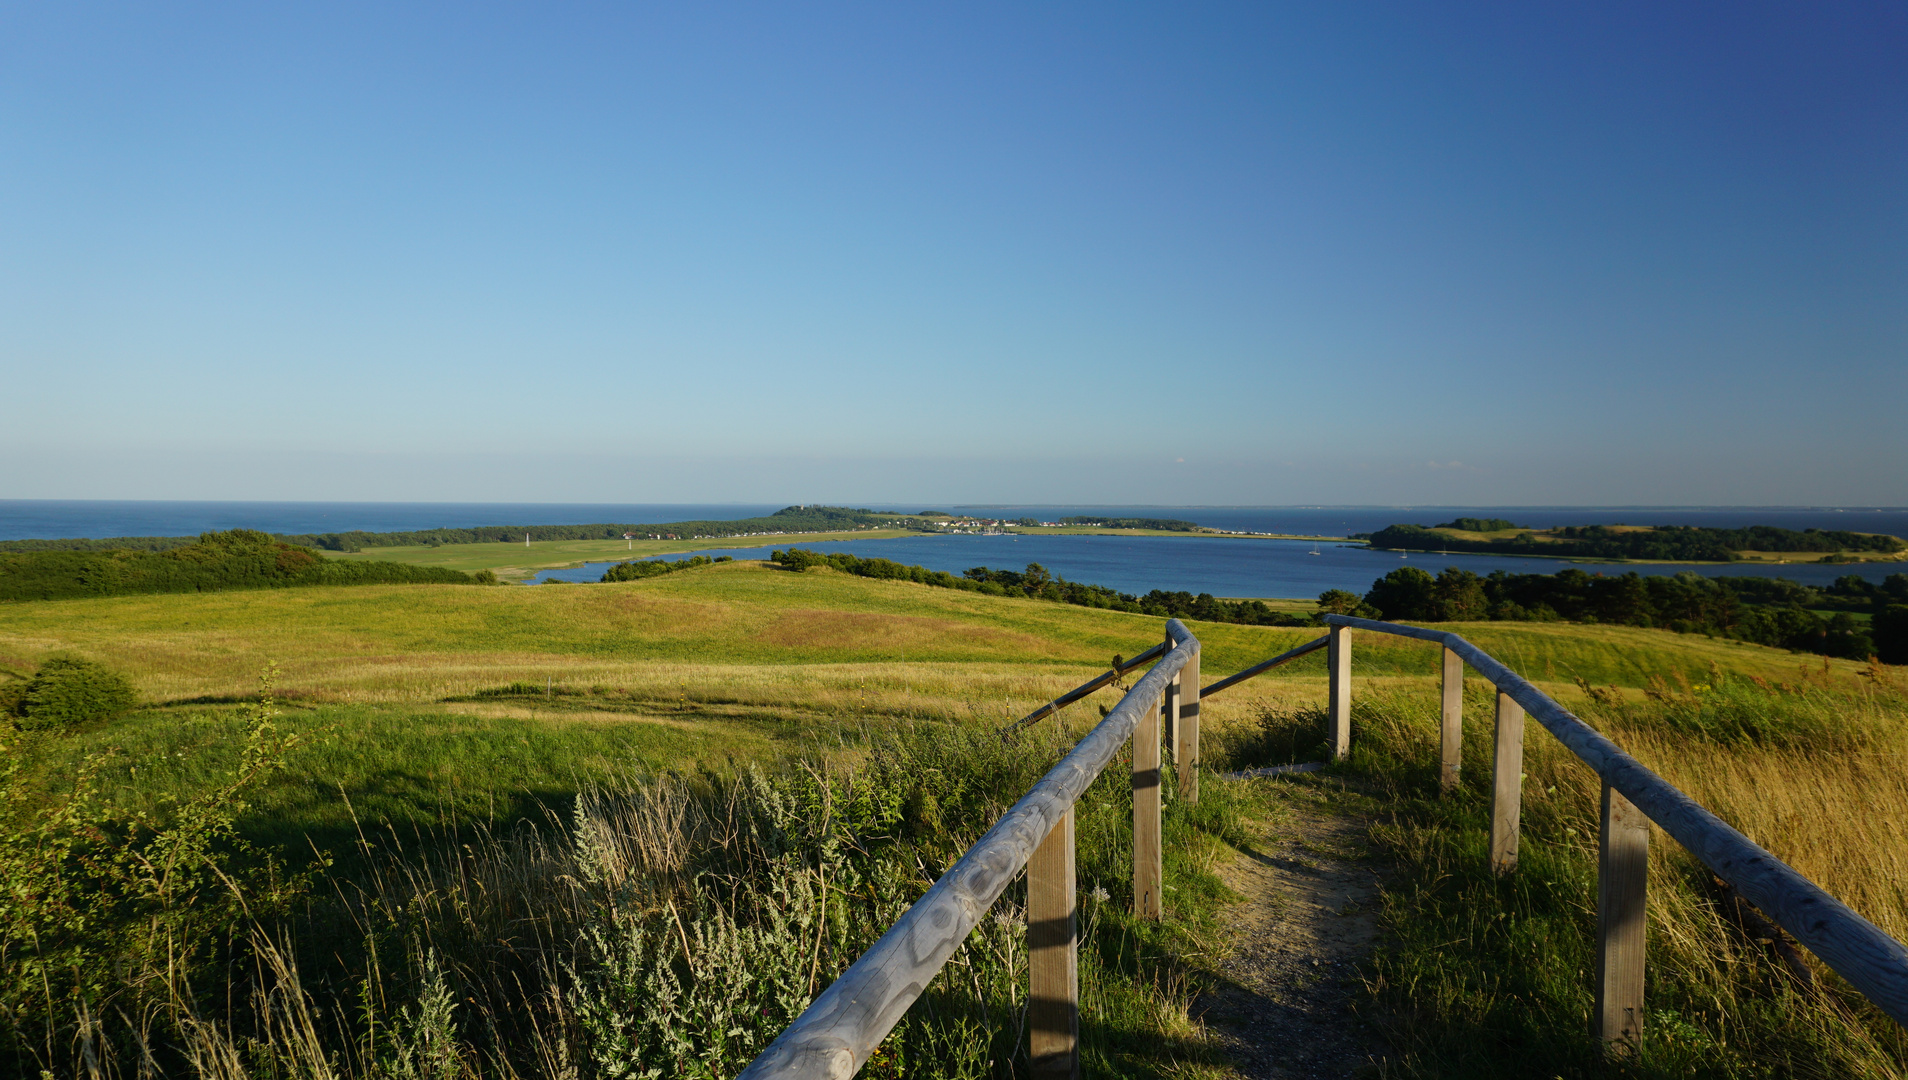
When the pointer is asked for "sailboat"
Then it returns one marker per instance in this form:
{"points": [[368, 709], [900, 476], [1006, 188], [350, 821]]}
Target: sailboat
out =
{"points": [[1314, 550]]}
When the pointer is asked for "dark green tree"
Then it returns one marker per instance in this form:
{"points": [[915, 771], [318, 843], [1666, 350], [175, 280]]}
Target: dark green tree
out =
{"points": [[1339, 602], [1889, 630], [1405, 593], [1459, 596]]}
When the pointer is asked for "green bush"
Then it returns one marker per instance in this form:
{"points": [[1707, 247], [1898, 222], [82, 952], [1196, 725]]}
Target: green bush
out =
{"points": [[637, 570], [70, 690]]}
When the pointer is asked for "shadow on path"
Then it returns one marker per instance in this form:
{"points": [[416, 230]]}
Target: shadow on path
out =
{"points": [[1309, 916]]}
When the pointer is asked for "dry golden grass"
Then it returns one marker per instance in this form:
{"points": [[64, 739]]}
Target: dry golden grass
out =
{"points": [[1811, 767]]}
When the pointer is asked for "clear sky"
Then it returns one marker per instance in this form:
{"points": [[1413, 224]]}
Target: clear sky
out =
{"points": [[1114, 253]]}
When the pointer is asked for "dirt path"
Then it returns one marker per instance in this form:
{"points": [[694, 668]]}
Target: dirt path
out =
{"points": [[1308, 917]]}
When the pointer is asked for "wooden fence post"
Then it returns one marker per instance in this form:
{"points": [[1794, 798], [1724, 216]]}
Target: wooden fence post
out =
{"points": [[1169, 709], [1053, 998], [1169, 718], [1186, 750], [1339, 707], [1507, 784], [1148, 872], [1451, 741], [1623, 872]]}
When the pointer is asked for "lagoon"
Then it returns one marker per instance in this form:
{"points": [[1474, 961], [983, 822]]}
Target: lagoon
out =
{"points": [[1229, 567]]}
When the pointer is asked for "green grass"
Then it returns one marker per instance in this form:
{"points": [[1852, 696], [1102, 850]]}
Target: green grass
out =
{"points": [[424, 712], [385, 766], [1481, 976], [432, 641], [519, 561], [730, 661]]}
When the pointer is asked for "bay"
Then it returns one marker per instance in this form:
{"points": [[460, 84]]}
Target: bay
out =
{"points": [[1226, 566], [1345, 520], [1223, 566]]}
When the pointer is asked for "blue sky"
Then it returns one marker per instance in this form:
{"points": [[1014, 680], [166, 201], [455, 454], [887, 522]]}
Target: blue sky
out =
{"points": [[1171, 254]]}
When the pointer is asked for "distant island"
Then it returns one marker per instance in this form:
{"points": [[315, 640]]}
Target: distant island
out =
{"points": [[1640, 543]]}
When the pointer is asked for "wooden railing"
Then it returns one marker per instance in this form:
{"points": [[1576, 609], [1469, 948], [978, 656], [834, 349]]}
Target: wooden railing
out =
{"points": [[835, 1034], [1633, 797]]}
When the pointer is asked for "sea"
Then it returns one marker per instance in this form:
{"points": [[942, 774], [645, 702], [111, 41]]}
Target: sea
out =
{"points": [[1226, 566]]}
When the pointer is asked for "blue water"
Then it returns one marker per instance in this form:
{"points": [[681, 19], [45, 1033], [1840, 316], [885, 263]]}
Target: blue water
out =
{"points": [[1342, 520], [1223, 567]]}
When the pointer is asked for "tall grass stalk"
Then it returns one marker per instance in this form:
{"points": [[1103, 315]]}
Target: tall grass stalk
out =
{"points": [[1481, 976], [668, 926]]}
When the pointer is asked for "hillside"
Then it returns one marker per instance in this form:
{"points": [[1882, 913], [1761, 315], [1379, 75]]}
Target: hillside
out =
{"points": [[214, 562], [420, 719]]}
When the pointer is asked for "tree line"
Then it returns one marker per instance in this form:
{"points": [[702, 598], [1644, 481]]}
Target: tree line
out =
{"points": [[794, 519], [640, 569], [1664, 543], [215, 562], [1037, 583], [1764, 611]]}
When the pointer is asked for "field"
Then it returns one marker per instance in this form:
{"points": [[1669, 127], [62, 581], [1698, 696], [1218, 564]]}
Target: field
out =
{"points": [[426, 712], [515, 562]]}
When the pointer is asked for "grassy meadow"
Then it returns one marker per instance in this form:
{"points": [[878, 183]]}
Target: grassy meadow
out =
{"points": [[515, 562], [1479, 976], [435, 742]]}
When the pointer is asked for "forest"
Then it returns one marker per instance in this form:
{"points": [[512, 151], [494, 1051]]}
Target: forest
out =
{"points": [[1666, 543], [1764, 611], [214, 562]]}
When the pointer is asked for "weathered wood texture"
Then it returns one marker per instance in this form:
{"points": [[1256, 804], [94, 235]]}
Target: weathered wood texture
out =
{"points": [[1148, 864], [1169, 717], [1451, 723], [1259, 669], [1053, 991], [1186, 749], [836, 1033], [1339, 704], [1507, 784], [1623, 874], [1872, 962]]}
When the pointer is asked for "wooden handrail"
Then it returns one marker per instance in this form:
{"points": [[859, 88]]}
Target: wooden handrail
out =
{"points": [[835, 1034], [1085, 688], [1856, 949], [1259, 669]]}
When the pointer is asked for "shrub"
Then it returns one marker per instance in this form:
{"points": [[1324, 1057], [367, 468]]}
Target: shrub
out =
{"points": [[71, 690], [637, 570]]}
